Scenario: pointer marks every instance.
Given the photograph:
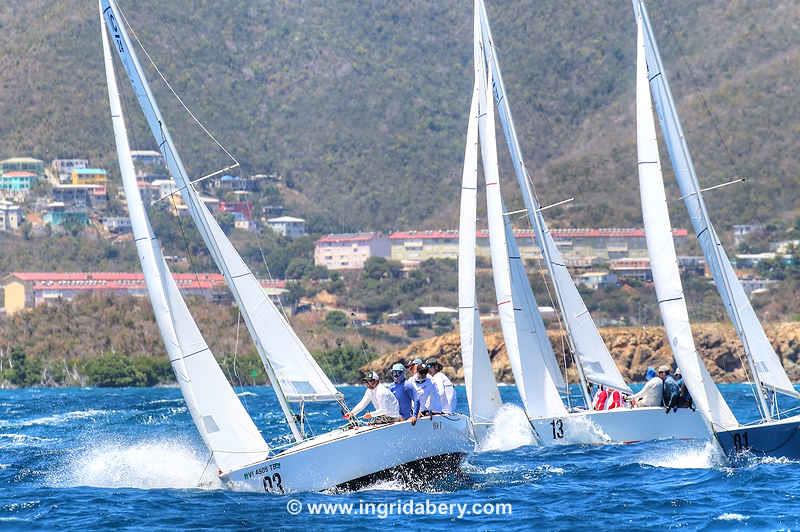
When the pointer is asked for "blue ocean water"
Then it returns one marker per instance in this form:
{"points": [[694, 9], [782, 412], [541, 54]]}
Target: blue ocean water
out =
{"points": [[130, 458]]}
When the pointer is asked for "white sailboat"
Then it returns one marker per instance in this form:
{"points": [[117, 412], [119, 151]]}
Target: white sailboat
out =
{"points": [[535, 371], [347, 456], [774, 434]]}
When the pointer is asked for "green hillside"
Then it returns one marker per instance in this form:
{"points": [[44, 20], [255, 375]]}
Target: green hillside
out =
{"points": [[363, 104]]}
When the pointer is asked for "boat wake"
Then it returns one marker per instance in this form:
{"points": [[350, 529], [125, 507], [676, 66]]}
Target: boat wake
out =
{"points": [[510, 429], [581, 430], [143, 465]]}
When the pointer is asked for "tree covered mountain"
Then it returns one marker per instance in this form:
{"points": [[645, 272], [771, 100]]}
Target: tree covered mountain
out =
{"points": [[363, 104]]}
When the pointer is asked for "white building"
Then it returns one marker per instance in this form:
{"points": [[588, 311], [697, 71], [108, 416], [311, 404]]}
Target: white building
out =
{"points": [[288, 226], [350, 251], [10, 216]]}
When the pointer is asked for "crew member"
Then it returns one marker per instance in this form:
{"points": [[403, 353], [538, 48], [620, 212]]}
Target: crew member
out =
{"points": [[672, 391], [386, 405], [444, 387], [426, 400], [653, 392], [403, 392]]}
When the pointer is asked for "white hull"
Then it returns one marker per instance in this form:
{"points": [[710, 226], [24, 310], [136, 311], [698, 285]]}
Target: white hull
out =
{"points": [[344, 455], [621, 425]]}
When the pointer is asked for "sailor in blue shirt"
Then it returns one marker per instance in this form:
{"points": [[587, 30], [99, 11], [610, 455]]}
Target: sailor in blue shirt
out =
{"points": [[403, 393]]}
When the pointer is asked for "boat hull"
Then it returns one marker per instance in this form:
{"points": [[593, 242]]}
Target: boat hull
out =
{"points": [[350, 457], [779, 439], [621, 425]]}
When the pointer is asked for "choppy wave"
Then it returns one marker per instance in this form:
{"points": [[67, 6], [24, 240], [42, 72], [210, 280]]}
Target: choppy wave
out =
{"points": [[55, 419]]}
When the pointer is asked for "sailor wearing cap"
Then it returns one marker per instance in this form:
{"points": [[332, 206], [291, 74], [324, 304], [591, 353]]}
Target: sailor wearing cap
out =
{"points": [[403, 391], [653, 391], [426, 400], [444, 387], [386, 406]]}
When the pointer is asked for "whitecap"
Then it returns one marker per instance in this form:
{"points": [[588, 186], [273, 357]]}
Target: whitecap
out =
{"points": [[732, 517], [247, 394], [55, 419]]}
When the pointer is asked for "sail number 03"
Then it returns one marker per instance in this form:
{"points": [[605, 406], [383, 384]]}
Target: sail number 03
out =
{"points": [[274, 483], [558, 428]]}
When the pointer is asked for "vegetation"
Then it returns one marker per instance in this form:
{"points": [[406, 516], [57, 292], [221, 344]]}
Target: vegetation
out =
{"points": [[363, 108]]}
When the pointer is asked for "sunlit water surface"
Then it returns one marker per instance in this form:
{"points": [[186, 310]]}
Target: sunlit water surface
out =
{"points": [[131, 458]]}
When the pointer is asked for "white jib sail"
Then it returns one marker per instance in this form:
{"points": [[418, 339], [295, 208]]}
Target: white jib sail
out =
{"points": [[532, 331], [537, 391], [482, 393], [590, 350], [224, 425], [664, 260], [765, 363], [296, 373]]}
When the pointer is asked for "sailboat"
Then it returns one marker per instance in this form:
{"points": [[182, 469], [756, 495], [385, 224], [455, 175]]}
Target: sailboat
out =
{"points": [[348, 456], [774, 434], [536, 371]]}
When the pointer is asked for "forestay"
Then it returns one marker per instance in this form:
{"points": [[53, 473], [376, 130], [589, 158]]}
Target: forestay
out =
{"points": [[764, 362], [590, 351], [224, 425], [664, 260], [288, 362], [482, 393], [537, 391]]}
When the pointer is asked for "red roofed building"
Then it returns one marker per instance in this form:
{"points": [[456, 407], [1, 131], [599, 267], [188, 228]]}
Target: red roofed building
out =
{"points": [[350, 251], [29, 289], [579, 246]]}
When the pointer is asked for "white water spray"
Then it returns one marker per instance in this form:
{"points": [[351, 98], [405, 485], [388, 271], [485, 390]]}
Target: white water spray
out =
{"points": [[142, 465], [511, 429]]}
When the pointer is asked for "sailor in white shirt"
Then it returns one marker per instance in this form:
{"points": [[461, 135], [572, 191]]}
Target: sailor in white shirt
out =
{"points": [[426, 399], [653, 392], [387, 410], [444, 387]]}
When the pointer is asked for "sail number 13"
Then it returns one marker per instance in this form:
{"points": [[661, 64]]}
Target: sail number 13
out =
{"points": [[558, 428]]}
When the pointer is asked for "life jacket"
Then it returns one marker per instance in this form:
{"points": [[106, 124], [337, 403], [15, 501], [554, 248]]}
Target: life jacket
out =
{"points": [[615, 400], [600, 400]]}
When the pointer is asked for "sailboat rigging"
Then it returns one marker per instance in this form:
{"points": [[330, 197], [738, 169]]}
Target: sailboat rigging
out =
{"points": [[536, 372], [776, 437], [341, 456]]}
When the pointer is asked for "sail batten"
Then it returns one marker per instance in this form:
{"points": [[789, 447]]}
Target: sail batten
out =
{"points": [[663, 257], [592, 355], [765, 366], [224, 425]]}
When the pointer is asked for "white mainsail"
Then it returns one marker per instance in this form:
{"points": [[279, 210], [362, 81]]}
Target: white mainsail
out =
{"points": [[765, 365], [224, 425], [482, 393], [294, 373], [537, 391], [663, 258], [593, 359]]}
